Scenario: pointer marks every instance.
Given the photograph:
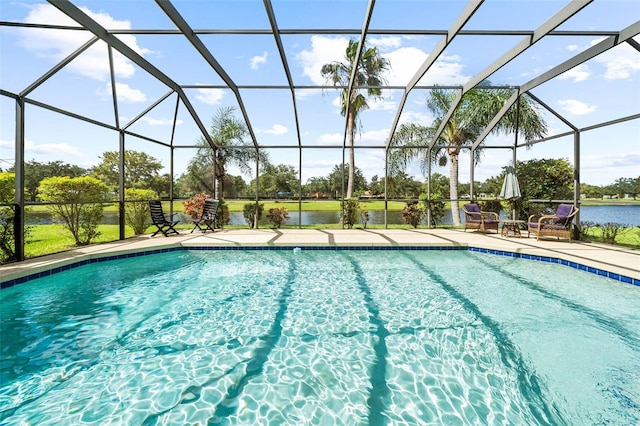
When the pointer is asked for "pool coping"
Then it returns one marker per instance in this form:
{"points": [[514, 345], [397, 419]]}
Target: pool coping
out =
{"points": [[589, 258]]}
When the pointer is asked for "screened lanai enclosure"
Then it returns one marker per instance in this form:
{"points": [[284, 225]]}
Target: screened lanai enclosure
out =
{"points": [[82, 78]]}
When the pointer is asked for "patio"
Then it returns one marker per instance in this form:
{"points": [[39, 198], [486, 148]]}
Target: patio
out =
{"points": [[600, 257]]}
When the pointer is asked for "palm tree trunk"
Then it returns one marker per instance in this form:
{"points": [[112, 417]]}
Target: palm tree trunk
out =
{"points": [[219, 178], [351, 129], [453, 189]]}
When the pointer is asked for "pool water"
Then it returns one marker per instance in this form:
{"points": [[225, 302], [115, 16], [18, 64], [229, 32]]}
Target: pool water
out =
{"points": [[322, 338]]}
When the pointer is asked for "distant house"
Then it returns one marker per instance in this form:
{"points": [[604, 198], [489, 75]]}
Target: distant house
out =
{"points": [[284, 194]]}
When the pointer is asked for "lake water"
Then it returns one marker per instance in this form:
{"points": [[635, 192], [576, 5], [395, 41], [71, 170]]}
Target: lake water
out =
{"points": [[627, 215]]}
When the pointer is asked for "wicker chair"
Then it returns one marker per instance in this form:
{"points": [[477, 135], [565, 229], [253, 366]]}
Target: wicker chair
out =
{"points": [[553, 225], [479, 220]]}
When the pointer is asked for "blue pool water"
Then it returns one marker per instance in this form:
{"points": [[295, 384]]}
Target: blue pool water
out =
{"points": [[320, 337]]}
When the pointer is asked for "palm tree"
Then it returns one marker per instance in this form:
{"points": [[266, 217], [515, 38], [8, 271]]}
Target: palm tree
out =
{"points": [[475, 111], [228, 133], [368, 73]]}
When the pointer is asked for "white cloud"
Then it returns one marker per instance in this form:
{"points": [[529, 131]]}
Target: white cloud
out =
{"points": [[210, 96], [371, 137], [302, 94], [330, 139], [621, 62], [385, 43], [574, 107], [605, 168], [257, 60], [383, 104], [160, 121], [417, 117], [51, 148], [124, 92], [58, 44], [572, 47], [324, 50], [406, 61], [625, 159], [578, 73], [276, 129], [337, 102]]}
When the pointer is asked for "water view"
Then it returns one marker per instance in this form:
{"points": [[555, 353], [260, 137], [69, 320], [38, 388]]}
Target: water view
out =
{"points": [[627, 215]]}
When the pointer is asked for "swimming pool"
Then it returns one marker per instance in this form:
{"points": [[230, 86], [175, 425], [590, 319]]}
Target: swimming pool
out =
{"points": [[320, 337]]}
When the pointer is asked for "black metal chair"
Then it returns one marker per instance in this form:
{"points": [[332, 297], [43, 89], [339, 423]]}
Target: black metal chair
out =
{"points": [[164, 225], [208, 217]]}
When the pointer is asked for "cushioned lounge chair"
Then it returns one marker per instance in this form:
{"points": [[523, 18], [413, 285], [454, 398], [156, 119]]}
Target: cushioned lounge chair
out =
{"points": [[164, 224], [208, 217], [553, 225], [474, 218]]}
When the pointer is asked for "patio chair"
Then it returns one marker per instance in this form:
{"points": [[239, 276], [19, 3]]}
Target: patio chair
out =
{"points": [[164, 224], [208, 217], [474, 218], [553, 225]]}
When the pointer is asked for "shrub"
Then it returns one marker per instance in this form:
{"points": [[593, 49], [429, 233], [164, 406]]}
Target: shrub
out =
{"points": [[435, 207], [491, 206], [249, 211], [278, 216], [581, 230], [364, 216], [7, 217], [222, 216], [611, 230], [350, 211], [136, 209], [7, 234], [194, 205], [413, 213], [80, 207]]}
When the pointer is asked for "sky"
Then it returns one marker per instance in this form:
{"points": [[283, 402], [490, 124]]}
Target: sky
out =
{"points": [[602, 89]]}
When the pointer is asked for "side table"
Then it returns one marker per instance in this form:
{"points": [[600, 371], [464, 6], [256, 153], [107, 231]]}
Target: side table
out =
{"points": [[511, 228]]}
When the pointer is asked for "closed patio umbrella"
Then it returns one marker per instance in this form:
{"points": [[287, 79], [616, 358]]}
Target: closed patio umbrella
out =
{"points": [[510, 188]]}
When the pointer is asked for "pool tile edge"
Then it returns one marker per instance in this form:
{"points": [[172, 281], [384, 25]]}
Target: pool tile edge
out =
{"points": [[46, 269]]}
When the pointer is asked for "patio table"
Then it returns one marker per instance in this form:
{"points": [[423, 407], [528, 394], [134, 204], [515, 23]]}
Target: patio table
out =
{"points": [[511, 227]]}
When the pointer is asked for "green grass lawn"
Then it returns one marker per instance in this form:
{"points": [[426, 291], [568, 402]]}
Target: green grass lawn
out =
{"points": [[630, 238]]}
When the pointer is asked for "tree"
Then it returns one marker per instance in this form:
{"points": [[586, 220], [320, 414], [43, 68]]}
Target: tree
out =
{"points": [[591, 191], [336, 176], [316, 186], [492, 186], [476, 109], [80, 204], [7, 217], [375, 186], [439, 185], [402, 186], [136, 209], [35, 171], [236, 187], [209, 165], [627, 186], [275, 179], [544, 179], [368, 73], [141, 171]]}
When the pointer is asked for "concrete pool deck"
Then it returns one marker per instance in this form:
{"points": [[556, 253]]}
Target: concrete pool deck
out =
{"points": [[616, 260]]}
